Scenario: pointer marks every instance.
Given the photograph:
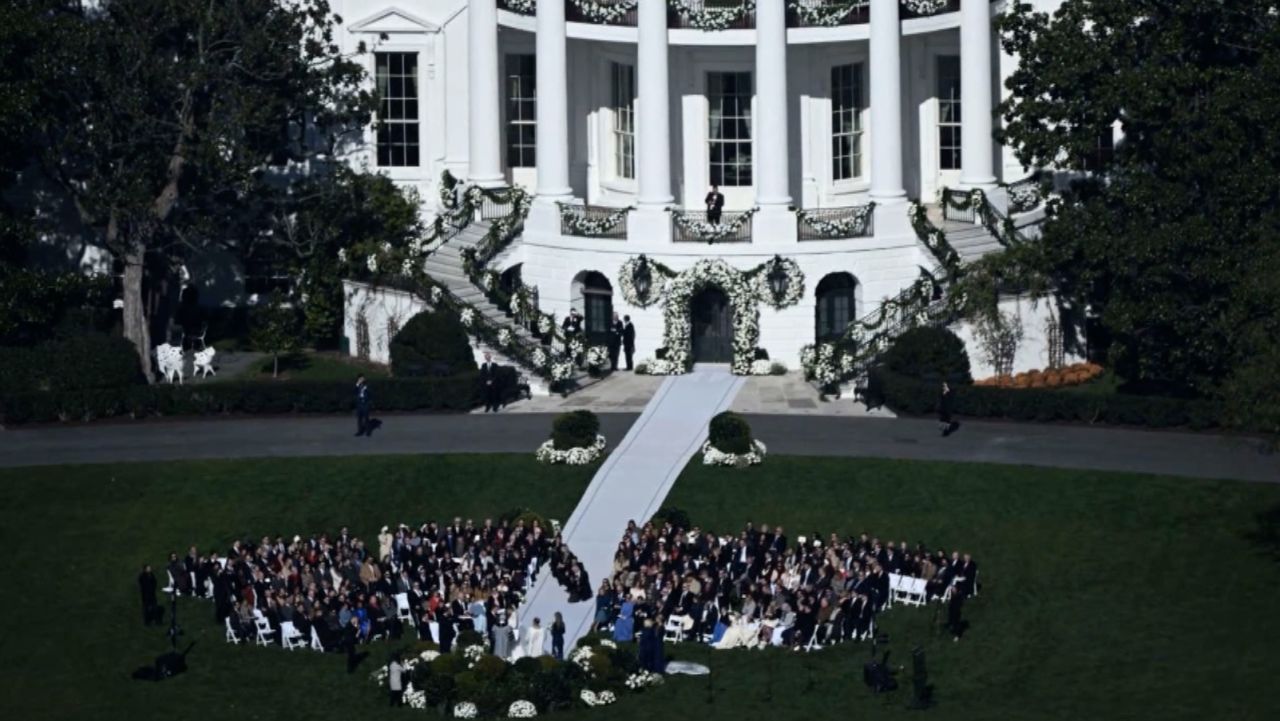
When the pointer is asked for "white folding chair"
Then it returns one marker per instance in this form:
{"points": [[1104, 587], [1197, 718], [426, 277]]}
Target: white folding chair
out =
{"points": [[674, 630], [918, 591], [290, 637], [193, 582], [895, 590], [403, 611], [169, 588], [434, 627], [231, 632], [265, 632], [315, 641], [975, 584], [813, 639]]}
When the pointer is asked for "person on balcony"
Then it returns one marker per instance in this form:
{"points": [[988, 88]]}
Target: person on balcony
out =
{"points": [[715, 204]]}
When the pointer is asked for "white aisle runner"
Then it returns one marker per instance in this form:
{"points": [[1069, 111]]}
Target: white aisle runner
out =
{"points": [[631, 485]]}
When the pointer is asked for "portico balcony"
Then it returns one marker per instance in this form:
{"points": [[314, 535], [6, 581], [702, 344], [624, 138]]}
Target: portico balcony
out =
{"points": [[728, 14]]}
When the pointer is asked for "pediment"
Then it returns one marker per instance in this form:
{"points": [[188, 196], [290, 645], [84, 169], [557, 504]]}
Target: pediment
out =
{"points": [[394, 21]]}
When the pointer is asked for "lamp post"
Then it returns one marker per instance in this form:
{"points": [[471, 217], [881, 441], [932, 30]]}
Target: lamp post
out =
{"points": [[777, 278], [642, 279]]}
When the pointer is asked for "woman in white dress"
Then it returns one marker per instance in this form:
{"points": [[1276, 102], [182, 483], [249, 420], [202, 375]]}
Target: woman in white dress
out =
{"points": [[536, 639]]}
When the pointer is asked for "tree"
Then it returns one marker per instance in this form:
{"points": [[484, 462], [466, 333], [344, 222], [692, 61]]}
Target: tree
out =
{"points": [[275, 330], [1172, 240], [187, 114]]}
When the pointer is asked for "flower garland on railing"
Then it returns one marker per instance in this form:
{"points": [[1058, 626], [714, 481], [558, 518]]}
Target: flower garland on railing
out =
{"points": [[828, 13], [925, 7], [708, 231], [1024, 197], [574, 218], [602, 12], [853, 225], [523, 7], [934, 239], [713, 18], [576, 456], [1001, 227]]}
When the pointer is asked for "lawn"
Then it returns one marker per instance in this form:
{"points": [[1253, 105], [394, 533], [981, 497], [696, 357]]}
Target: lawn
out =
{"points": [[1104, 596]]}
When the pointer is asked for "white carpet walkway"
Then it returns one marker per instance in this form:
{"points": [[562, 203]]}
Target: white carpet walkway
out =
{"points": [[631, 485]]}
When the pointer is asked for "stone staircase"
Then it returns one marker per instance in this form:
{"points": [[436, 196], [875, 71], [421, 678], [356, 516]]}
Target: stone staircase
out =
{"points": [[973, 240], [445, 266]]}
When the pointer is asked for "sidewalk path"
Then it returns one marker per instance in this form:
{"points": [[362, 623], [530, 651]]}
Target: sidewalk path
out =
{"points": [[631, 485], [1109, 449]]}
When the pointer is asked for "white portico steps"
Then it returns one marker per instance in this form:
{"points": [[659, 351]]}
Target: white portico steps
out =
{"points": [[631, 485]]}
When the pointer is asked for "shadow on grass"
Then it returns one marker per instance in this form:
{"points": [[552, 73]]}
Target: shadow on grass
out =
{"points": [[1266, 537]]}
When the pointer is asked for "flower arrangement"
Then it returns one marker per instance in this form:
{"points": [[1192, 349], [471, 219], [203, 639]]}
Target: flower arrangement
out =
{"points": [[574, 220], [576, 347], [678, 327], [413, 698], [761, 367], [827, 364], [372, 264], [630, 270], [708, 231], [925, 7], [591, 698], [853, 224], [712, 456], [643, 679], [581, 657], [505, 337], [713, 18], [597, 357], [581, 456], [428, 656], [562, 370], [465, 709], [825, 14], [523, 7], [467, 317], [795, 283], [437, 295], [473, 654], [539, 357], [522, 709], [342, 255]]}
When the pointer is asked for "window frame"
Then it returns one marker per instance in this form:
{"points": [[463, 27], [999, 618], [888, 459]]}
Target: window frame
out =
{"points": [[950, 155], [622, 130], [739, 122], [520, 118], [855, 130], [397, 128]]}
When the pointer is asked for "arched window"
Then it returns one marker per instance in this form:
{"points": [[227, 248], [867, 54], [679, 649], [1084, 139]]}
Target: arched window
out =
{"points": [[593, 294], [836, 307]]}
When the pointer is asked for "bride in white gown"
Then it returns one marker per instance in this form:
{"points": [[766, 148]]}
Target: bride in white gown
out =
{"points": [[739, 634]]}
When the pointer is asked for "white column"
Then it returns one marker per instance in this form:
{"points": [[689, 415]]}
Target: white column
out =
{"points": [[653, 126], [976, 147], [886, 103], [484, 112], [553, 104], [772, 174]]}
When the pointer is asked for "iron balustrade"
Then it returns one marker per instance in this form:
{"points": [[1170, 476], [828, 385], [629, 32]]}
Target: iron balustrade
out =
{"points": [[739, 221], [959, 215], [807, 227], [574, 14], [857, 13], [494, 209], [590, 214], [745, 20]]}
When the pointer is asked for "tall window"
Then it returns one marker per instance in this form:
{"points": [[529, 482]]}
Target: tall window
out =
{"points": [[949, 112], [835, 307], [397, 83], [522, 111], [729, 95], [624, 120], [597, 301], [846, 122]]}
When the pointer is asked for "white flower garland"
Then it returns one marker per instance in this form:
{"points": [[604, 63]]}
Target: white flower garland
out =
{"points": [[643, 679], [590, 698], [467, 317], [761, 367], [678, 327], [539, 357], [828, 364], [505, 337], [925, 7], [851, 226], [465, 709], [523, 7], [580, 456], [795, 285], [827, 13], [712, 456], [473, 654], [708, 231], [713, 18], [574, 218], [626, 279], [522, 709], [597, 356], [605, 12]]}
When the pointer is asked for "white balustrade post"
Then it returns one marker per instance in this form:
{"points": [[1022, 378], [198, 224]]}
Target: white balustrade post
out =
{"points": [[553, 104], [653, 129], [772, 174], [484, 111], [976, 143], [886, 104]]}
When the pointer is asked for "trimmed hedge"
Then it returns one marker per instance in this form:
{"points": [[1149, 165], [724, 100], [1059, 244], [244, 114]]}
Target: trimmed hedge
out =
{"points": [[911, 396], [931, 353], [730, 433], [575, 429], [456, 393], [432, 343], [82, 362]]}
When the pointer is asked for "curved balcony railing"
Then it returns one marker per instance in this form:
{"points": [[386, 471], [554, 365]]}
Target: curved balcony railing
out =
{"points": [[732, 14], [692, 226], [593, 221], [851, 221]]}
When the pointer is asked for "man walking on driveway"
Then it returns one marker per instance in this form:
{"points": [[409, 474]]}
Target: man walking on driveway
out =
{"points": [[363, 401], [628, 340]]}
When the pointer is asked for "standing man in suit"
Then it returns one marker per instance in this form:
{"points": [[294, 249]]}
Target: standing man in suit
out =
{"points": [[615, 341], [147, 587], [363, 401], [489, 377], [628, 340], [715, 204]]}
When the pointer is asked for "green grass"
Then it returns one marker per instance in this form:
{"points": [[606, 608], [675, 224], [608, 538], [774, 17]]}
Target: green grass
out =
{"points": [[319, 367], [1105, 596]]}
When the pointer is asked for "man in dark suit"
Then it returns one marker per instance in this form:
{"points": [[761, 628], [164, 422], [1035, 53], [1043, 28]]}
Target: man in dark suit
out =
{"points": [[615, 341], [147, 587], [349, 637], [489, 379], [363, 402], [629, 340], [715, 204]]}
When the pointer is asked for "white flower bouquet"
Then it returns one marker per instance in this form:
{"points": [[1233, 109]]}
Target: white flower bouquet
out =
{"points": [[465, 709], [597, 357], [712, 456], [522, 709], [580, 456]]}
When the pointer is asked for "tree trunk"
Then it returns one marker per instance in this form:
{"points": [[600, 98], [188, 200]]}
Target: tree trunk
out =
{"points": [[275, 365], [135, 317]]}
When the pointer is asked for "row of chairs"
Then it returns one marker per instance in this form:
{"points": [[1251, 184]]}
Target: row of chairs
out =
{"points": [[912, 591]]}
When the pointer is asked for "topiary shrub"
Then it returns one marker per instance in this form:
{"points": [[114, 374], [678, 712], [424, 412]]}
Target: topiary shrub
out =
{"points": [[929, 353], [730, 433], [469, 638], [439, 689], [76, 363], [432, 343], [576, 429], [491, 668], [450, 664], [527, 666]]}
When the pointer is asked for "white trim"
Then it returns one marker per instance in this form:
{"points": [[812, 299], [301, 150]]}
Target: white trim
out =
{"points": [[370, 24]]}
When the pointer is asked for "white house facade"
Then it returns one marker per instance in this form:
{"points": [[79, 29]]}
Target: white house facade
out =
{"points": [[820, 122]]}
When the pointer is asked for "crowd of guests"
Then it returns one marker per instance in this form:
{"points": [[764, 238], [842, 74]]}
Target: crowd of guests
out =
{"points": [[761, 587], [456, 577]]}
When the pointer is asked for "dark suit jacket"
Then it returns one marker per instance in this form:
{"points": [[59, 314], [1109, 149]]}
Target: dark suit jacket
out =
{"points": [[629, 335], [715, 201], [489, 372], [363, 397], [615, 334]]}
